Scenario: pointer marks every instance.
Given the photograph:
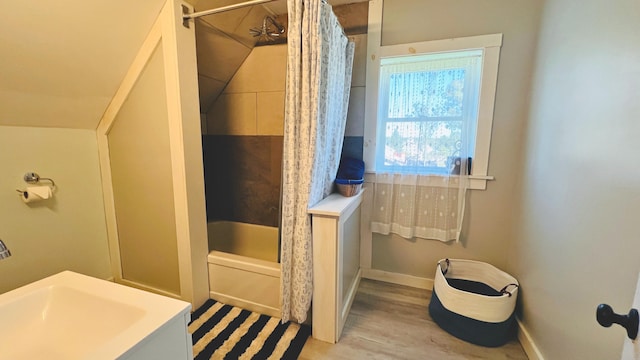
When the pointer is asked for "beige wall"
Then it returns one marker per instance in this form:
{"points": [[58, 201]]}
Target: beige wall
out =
{"points": [[578, 242], [67, 232], [487, 232], [61, 70]]}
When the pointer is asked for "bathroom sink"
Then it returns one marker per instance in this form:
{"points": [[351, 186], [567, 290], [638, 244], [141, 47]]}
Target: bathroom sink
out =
{"points": [[73, 316]]}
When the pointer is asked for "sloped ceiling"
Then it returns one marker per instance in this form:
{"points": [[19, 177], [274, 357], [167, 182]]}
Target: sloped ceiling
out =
{"points": [[62, 61], [224, 41]]}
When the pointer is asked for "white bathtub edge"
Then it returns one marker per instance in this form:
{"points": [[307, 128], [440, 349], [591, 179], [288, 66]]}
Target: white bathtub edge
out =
{"points": [[240, 262]]}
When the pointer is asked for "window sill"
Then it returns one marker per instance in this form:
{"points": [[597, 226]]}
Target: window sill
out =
{"points": [[479, 182], [476, 182]]}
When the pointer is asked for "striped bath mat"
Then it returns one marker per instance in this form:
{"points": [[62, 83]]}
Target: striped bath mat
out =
{"points": [[226, 332]]}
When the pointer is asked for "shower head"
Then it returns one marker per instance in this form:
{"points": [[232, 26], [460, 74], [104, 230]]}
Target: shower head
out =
{"points": [[269, 31]]}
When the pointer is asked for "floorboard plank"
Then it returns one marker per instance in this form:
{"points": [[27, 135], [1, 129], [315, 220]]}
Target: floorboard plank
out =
{"points": [[389, 321]]}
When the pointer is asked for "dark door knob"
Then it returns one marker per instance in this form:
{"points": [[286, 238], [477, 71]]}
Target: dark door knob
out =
{"points": [[606, 317]]}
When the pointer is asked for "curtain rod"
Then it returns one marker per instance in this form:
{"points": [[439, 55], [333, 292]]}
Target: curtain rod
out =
{"points": [[224, 8], [187, 16]]}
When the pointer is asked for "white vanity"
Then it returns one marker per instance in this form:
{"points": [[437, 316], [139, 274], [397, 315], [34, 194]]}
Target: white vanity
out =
{"points": [[73, 316]]}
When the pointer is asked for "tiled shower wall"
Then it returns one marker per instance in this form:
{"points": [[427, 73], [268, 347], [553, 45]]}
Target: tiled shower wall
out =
{"points": [[242, 178], [243, 145], [244, 132]]}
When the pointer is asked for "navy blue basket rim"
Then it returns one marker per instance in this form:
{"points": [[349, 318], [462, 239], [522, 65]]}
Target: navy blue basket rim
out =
{"points": [[349, 181]]}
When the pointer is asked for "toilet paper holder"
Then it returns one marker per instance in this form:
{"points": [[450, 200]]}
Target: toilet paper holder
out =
{"points": [[34, 178]]}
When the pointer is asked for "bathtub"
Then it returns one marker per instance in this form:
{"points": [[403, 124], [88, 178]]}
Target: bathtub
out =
{"points": [[243, 266]]}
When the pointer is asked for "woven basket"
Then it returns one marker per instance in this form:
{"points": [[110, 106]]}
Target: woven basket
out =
{"points": [[474, 301], [349, 189]]}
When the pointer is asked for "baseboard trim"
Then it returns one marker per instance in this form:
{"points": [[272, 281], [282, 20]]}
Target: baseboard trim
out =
{"points": [[396, 278], [530, 348]]}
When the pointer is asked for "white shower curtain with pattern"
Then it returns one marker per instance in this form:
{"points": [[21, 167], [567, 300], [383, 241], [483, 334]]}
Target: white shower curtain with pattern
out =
{"points": [[320, 60]]}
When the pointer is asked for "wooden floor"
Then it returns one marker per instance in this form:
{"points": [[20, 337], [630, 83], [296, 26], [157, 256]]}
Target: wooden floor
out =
{"points": [[390, 321]]}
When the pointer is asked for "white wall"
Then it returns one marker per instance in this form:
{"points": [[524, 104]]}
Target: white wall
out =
{"points": [[66, 232], [577, 240]]}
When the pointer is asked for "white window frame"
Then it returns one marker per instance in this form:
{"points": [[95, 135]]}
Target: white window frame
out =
{"points": [[489, 44]]}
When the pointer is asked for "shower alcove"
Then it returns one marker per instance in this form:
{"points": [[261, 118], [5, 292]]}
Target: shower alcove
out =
{"points": [[242, 97], [242, 62], [242, 83]]}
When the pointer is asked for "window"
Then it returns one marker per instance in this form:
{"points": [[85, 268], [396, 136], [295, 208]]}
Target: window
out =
{"points": [[427, 106], [433, 104]]}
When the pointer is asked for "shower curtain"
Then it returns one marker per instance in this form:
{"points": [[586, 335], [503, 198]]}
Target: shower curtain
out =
{"points": [[320, 60]]}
